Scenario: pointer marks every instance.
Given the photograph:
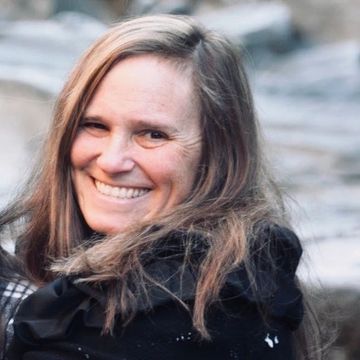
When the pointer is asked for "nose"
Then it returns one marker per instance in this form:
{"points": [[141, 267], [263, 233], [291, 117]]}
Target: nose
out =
{"points": [[116, 156]]}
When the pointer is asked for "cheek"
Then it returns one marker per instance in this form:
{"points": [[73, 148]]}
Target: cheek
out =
{"points": [[175, 169], [77, 151], [82, 150], [75, 154]]}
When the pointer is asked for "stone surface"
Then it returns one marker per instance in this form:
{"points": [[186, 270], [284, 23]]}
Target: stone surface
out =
{"points": [[315, 151], [104, 10], [327, 20], [24, 9], [41, 53], [94, 8], [341, 311], [263, 24], [327, 71], [334, 262], [25, 115], [138, 7]]}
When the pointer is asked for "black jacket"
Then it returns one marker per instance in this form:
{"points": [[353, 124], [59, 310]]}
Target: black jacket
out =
{"points": [[64, 319]]}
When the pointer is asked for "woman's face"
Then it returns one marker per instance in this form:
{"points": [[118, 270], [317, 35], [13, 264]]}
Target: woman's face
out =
{"points": [[138, 147]]}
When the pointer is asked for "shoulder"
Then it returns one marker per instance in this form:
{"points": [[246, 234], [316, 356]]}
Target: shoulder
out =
{"points": [[12, 293], [72, 313], [273, 249], [71, 324], [267, 279]]}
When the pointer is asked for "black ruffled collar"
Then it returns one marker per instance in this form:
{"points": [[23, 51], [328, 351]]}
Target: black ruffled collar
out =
{"points": [[54, 307]]}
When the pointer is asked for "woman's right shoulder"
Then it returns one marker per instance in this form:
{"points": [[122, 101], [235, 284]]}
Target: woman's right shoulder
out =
{"points": [[12, 292]]}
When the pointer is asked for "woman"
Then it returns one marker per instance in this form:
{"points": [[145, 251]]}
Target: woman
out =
{"points": [[154, 201]]}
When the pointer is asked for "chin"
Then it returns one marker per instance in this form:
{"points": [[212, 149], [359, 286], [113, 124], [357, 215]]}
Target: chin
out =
{"points": [[107, 228]]}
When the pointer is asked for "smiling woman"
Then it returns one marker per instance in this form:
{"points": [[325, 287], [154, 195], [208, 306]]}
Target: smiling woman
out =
{"points": [[153, 221], [137, 149]]}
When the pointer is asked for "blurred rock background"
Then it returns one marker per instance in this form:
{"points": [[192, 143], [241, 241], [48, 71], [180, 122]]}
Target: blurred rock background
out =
{"points": [[303, 59]]}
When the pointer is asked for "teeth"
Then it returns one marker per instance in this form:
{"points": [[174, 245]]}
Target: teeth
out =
{"points": [[120, 192]]}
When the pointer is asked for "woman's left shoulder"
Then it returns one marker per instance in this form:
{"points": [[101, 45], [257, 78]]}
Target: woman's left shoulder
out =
{"points": [[275, 247], [267, 279]]}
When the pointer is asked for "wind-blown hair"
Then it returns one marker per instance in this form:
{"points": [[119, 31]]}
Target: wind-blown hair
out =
{"points": [[232, 196]]}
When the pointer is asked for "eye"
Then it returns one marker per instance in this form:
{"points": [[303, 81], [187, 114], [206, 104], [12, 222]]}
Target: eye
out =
{"points": [[151, 138], [155, 135], [92, 126]]}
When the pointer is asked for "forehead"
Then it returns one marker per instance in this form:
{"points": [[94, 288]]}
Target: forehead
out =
{"points": [[145, 86]]}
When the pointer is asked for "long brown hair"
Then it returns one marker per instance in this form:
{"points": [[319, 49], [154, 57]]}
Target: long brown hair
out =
{"points": [[232, 195]]}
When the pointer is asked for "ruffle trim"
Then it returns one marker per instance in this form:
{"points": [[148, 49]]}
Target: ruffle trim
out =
{"points": [[48, 314]]}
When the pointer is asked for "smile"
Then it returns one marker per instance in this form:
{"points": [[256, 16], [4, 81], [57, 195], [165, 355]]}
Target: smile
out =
{"points": [[120, 192]]}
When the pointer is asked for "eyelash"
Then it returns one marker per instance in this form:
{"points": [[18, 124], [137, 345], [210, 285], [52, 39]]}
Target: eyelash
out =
{"points": [[93, 125], [159, 134]]}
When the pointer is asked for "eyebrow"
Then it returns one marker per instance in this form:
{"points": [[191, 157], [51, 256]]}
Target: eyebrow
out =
{"points": [[152, 124]]}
